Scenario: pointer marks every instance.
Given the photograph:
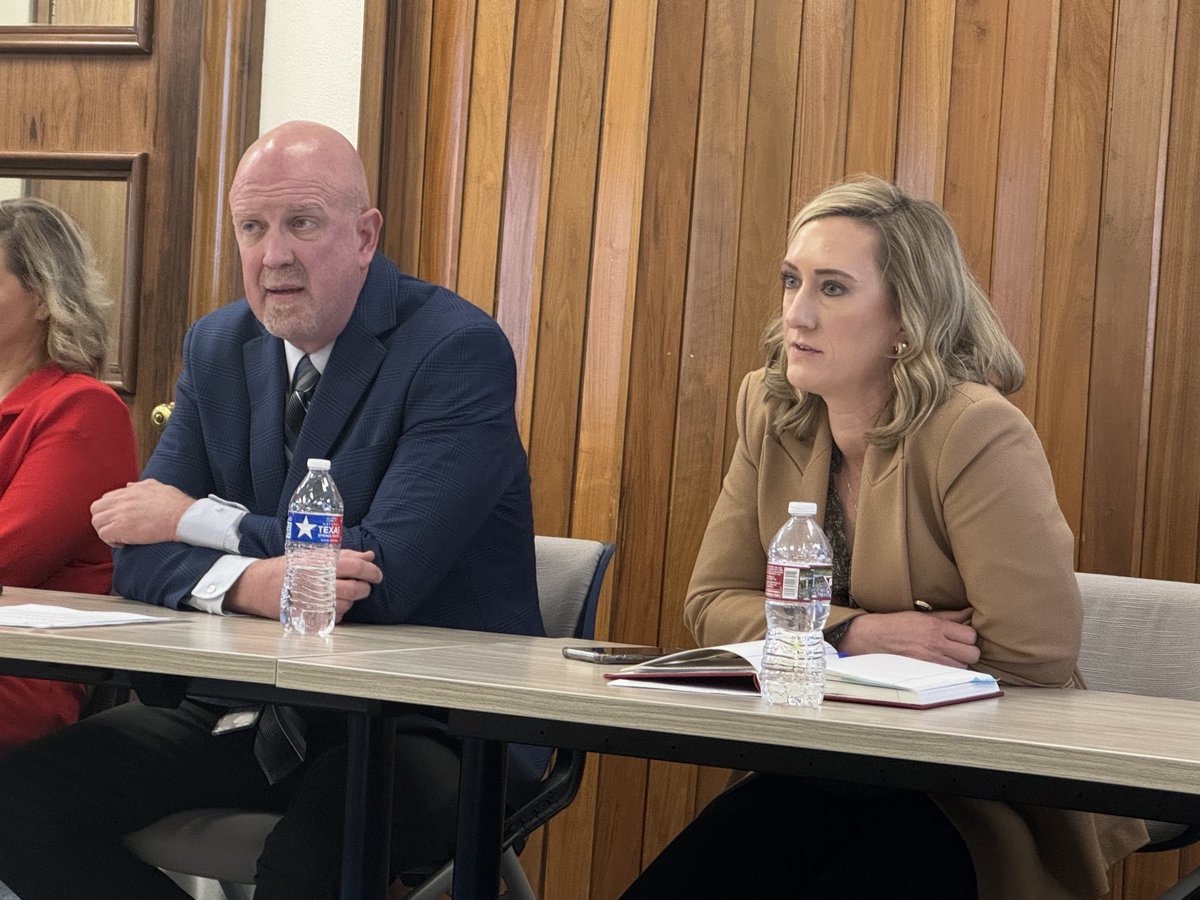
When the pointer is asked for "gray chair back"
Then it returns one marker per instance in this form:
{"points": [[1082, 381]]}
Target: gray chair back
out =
{"points": [[570, 572], [1140, 636]]}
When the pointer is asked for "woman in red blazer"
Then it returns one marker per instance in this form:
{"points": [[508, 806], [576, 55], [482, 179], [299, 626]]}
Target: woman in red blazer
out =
{"points": [[65, 438]]}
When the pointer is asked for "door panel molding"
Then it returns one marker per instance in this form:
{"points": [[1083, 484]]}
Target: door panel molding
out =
{"points": [[130, 168], [45, 38]]}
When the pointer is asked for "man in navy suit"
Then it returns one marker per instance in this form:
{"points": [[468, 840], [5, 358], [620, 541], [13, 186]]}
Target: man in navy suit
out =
{"points": [[413, 405]]}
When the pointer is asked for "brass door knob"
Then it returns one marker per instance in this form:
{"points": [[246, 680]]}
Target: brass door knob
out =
{"points": [[161, 413]]}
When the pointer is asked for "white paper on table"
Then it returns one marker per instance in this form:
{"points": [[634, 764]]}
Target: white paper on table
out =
{"points": [[36, 615]]}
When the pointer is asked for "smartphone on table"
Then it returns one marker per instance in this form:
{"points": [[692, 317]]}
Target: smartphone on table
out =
{"points": [[604, 654]]}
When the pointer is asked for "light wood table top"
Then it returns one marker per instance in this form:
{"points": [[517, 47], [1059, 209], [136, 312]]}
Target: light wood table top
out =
{"points": [[1117, 739], [196, 644]]}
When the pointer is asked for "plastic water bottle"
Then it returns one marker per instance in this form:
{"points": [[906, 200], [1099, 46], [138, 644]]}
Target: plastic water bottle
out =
{"points": [[799, 587], [308, 603]]}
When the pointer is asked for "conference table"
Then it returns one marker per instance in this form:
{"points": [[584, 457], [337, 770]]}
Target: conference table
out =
{"points": [[1086, 750], [233, 658], [1102, 752]]}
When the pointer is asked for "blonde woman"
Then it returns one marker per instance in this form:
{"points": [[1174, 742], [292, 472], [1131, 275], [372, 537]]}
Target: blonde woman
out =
{"points": [[65, 438], [882, 400]]}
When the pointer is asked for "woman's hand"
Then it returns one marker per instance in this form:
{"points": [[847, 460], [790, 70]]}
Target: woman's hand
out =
{"points": [[940, 637]]}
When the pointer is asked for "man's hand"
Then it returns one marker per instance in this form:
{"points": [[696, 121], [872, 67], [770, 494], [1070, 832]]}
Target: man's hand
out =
{"points": [[940, 637], [257, 591], [142, 512]]}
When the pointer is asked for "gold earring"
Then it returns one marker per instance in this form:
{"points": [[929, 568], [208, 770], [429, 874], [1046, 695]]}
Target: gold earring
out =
{"points": [[899, 349]]}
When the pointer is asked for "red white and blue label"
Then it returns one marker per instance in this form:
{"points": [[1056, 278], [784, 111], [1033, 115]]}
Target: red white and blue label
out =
{"points": [[315, 528]]}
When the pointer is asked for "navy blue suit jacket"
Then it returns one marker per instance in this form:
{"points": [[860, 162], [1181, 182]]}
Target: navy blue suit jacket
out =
{"points": [[415, 412]]}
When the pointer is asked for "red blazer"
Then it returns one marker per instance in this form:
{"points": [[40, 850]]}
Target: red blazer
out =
{"points": [[64, 441]]}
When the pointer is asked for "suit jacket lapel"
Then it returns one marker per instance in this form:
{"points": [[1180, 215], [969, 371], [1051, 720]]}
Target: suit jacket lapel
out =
{"points": [[881, 582], [266, 384], [811, 457], [356, 358]]}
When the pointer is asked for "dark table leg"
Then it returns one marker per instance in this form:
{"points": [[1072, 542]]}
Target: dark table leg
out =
{"points": [[480, 820], [367, 834]]}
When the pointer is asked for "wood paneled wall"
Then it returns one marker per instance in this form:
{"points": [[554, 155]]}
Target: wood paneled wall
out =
{"points": [[612, 179]]}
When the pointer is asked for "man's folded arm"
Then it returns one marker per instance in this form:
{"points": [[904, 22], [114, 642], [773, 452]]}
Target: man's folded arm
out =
{"points": [[164, 574]]}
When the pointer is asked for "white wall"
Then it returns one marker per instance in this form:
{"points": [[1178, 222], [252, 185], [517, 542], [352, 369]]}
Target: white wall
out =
{"points": [[312, 59]]}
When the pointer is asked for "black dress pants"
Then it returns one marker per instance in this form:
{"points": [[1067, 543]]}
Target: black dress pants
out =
{"points": [[67, 800], [779, 837]]}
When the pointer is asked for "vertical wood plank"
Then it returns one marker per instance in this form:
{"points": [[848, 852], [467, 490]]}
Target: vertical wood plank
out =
{"points": [[1147, 875], [822, 94], [568, 216], [377, 19], [822, 98], [483, 169], [698, 460], [570, 837], [1189, 857], [612, 289], [527, 180], [669, 787], [1022, 172], [230, 85], [977, 79], [872, 121], [1072, 229], [452, 46], [1171, 543], [613, 269], [402, 164], [925, 97], [766, 205], [1126, 289], [561, 334], [653, 384]]}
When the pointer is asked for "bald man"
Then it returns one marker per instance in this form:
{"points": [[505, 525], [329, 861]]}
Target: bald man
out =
{"points": [[413, 405]]}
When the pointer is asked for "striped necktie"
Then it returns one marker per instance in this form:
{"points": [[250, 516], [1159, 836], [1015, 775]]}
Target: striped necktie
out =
{"points": [[304, 384]]}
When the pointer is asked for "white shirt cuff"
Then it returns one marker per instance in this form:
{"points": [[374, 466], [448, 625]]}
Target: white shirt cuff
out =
{"points": [[209, 594], [213, 523]]}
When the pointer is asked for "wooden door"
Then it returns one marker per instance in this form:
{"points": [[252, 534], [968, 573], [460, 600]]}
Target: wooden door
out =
{"points": [[101, 117]]}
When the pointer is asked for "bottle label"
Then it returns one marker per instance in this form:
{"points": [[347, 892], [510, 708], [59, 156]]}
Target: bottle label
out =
{"points": [[315, 528], [822, 583], [786, 582]]}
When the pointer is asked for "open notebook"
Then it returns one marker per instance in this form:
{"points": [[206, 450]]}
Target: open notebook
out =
{"points": [[880, 678]]}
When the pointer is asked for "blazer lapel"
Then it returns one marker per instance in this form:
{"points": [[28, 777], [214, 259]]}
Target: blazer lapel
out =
{"points": [[881, 581], [811, 457], [357, 355], [266, 384]]}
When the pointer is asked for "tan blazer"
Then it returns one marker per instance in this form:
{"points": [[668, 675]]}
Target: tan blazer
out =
{"points": [[961, 514]]}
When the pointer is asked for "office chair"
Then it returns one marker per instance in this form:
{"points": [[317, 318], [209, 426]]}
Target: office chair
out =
{"points": [[224, 844], [1142, 636]]}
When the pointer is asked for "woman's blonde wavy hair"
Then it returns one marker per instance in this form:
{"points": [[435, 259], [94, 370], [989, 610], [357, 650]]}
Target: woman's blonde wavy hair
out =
{"points": [[953, 334], [50, 256]]}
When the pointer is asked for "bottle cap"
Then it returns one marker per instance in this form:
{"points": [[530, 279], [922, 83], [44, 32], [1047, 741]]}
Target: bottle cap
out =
{"points": [[321, 465], [799, 508]]}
